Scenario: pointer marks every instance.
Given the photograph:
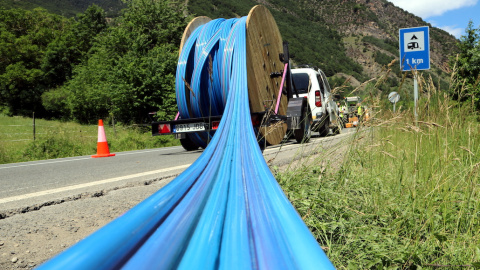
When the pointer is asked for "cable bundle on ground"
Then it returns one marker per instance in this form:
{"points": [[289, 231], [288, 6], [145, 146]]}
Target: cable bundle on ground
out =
{"points": [[226, 211]]}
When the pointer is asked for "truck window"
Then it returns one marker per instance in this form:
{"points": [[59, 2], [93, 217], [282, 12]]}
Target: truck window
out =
{"points": [[302, 82]]}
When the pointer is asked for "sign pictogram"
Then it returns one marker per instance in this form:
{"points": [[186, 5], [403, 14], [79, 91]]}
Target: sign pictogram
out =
{"points": [[414, 48]]}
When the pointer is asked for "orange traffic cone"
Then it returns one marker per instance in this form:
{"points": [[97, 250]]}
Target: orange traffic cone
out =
{"points": [[102, 145]]}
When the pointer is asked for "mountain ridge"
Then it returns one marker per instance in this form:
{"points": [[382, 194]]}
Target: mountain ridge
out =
{"points": [[368, 29]]}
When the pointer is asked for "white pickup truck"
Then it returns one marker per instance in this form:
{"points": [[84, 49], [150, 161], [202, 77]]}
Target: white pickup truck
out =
{"points": [[310, 108], [313, 85]]}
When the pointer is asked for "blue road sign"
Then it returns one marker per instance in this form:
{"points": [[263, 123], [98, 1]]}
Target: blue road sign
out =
{"points": [[414, 48]]}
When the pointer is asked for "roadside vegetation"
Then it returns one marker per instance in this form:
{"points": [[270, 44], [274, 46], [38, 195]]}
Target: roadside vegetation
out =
{"points": [[405, 196], [57, 139], [401, 193]]}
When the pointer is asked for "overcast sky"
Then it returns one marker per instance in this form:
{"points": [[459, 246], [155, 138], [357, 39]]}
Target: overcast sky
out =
{"points": [[450, 15]]}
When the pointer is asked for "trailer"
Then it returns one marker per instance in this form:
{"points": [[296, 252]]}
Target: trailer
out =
{"points": [[276, 107]]}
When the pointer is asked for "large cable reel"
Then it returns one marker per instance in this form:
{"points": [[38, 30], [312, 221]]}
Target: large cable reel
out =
{"points": [[264, 47]]}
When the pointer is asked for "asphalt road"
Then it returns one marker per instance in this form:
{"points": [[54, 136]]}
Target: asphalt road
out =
{"points": [[40, 182]]}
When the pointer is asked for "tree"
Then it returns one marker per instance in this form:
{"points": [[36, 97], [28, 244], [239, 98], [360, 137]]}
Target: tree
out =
{"points": [[24, 36], [70, 48], [130, 70], [466, 67]]}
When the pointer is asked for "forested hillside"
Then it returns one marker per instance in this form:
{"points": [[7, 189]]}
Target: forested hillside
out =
{"points": [[67, 8], [355, 37], [84, 68], [353, 32], [311, 41], [91, 66]]}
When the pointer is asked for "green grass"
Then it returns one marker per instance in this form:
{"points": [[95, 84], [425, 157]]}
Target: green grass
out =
{"points": [[56, 139], [404, 197]]}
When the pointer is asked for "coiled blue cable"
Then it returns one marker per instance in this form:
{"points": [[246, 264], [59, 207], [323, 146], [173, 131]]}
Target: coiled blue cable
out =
{"points": [[226, 211]]}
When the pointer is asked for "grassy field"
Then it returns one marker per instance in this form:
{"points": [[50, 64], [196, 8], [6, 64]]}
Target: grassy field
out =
{"points": [[55, 139], [406, 196]]}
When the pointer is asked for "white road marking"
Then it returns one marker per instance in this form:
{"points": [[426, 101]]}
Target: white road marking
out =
{"points": [[100, 182], [148, 150], [52, 161], [43, 163]]}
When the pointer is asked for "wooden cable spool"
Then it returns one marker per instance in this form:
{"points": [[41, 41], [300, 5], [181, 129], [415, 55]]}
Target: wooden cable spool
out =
{"points": [[192, 25], [264, 46]]}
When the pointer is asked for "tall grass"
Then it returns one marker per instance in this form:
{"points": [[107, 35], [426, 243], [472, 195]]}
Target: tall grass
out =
{"points": [[56, 139], [405, 196]]}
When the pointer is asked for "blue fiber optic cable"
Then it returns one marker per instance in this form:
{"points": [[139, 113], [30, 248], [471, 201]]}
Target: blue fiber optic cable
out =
{"points": [[226, 211]]}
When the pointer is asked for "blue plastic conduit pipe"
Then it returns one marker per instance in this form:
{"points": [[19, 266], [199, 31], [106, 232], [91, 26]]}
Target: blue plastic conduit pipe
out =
{"points": [[226, 211]]}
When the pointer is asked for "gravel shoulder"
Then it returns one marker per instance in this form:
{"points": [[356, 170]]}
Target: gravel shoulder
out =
{"points": [[27, 240]]}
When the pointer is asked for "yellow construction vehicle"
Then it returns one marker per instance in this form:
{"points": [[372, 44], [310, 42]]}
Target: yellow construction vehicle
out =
{"points": [[352, 117]]}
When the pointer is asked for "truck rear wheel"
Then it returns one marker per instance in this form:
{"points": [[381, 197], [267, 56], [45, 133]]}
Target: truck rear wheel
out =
{"points": [[325, 128], [304, 133], [188, 144]]}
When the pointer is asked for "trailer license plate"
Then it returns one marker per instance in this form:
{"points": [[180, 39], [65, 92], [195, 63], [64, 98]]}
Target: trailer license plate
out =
{"points": [[190, 127]]}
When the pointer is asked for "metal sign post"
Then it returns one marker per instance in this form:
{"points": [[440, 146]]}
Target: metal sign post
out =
{"points": [[415, 54], [415, 94]]}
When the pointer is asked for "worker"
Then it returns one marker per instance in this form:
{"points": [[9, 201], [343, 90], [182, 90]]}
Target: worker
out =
{"points": [[344, 109], [360, 112], [343, 112], [340, 113]]}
